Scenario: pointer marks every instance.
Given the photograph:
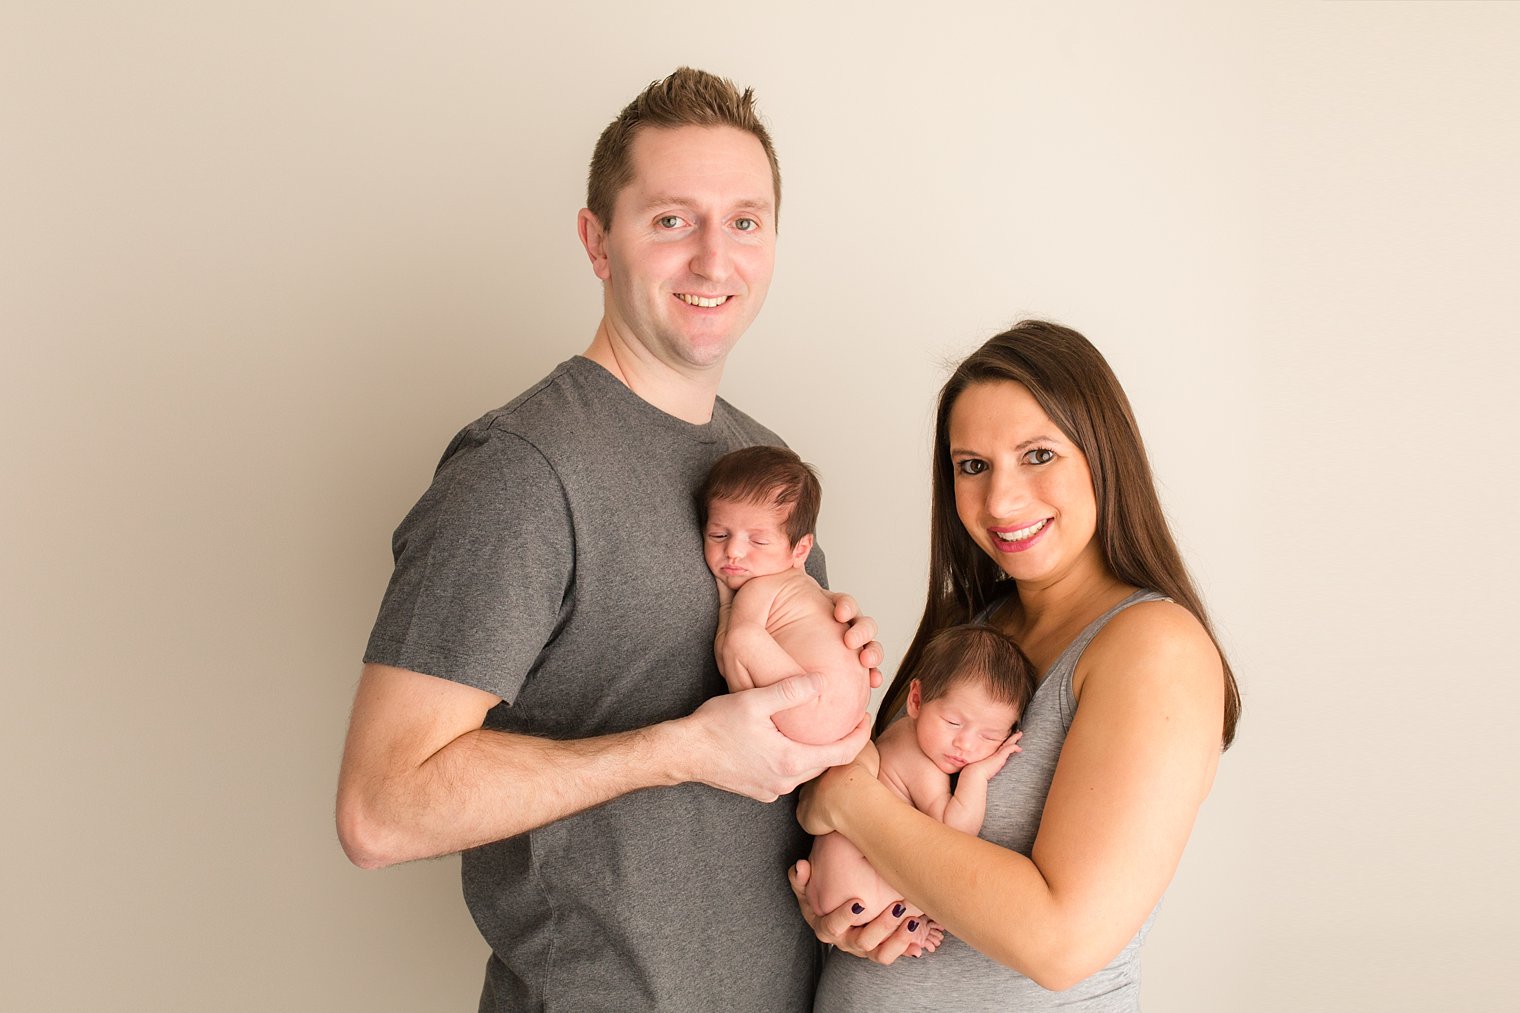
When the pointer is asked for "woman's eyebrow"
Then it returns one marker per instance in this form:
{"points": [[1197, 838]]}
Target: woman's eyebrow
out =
{"points": [[1018, 446]]}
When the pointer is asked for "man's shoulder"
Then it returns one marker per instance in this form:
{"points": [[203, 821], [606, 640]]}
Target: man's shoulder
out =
{"points": [[543, 407], [543, 416], [744, 426]]}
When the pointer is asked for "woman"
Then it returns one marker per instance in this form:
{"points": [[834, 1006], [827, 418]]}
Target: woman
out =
{"points": [[1046, 525]]}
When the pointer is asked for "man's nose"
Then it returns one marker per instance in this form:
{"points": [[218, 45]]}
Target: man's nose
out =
{"points": [[711, 257]]}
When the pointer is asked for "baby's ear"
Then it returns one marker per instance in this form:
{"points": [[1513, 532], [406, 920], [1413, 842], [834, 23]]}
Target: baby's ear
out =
{"points": [[800, 551], [915, 698]]}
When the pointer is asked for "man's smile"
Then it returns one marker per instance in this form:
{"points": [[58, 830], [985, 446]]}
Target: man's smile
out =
{"points": [[705, 301]]}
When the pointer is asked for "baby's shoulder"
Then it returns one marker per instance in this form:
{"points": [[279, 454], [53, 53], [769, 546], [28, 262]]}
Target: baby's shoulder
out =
{"points": [[795, 586], [904, 766]]}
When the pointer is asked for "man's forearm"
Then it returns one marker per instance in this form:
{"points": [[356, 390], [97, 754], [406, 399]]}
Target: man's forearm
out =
{"points": [[421, 778], [487, 785]]}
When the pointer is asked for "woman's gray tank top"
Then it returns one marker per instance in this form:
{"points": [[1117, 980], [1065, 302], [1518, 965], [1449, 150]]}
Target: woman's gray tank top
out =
{"points": [[956, 977]]}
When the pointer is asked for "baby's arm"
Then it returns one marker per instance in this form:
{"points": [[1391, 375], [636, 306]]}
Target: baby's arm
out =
{"points": [[748, 656], [966, 809], [915, 777]]}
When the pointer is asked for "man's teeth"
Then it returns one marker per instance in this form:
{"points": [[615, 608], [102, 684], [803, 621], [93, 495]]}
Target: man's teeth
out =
{"points": [[703, 301], [1022, 533]]}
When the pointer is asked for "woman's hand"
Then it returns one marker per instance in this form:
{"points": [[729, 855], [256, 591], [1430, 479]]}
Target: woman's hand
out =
{"points": [[813, 797], [891, 934]]}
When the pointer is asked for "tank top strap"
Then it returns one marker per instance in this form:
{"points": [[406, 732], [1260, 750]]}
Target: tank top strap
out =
{"points": [[1068, 658]]}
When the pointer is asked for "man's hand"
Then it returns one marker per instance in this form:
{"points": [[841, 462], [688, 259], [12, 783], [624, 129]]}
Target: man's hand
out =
{"points": [[886, 937], [733, 744], [861, 635]]}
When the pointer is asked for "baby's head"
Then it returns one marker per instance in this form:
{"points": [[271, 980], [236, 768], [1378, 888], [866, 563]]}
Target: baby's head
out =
{"points": [[758, 507], [971, 686]]}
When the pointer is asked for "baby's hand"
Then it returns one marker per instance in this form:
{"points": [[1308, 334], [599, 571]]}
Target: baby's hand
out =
{"points": [[725, 593], [988, 767]]}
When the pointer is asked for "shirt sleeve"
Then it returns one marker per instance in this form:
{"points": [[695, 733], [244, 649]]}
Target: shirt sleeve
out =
{"points": [[484, 568]]}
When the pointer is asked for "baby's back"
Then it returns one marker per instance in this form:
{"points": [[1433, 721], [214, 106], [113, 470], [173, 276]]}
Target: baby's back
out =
{"points": [[802, 621]]}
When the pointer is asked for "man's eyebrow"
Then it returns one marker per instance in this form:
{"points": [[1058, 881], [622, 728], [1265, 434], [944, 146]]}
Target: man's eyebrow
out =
{"points": [[669, 201]]}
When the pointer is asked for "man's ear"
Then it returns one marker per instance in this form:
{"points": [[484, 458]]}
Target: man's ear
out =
{"points": [[800, 551], [915, 698], [594, 239]]}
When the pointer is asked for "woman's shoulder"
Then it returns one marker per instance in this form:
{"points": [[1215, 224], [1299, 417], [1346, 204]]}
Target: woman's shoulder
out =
{"points": [[1156, 639]]}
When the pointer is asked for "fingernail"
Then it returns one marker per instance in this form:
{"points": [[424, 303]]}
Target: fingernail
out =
{"points": [[856, 908], [897, 910], [912, 924]]}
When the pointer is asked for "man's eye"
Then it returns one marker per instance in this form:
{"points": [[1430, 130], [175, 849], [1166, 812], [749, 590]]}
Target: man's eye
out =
{"points": [[746, 225], [1040, 455], [670, 222], [971, 466]]}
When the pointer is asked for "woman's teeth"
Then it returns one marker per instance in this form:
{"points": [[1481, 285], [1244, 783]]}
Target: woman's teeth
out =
{"points": [[1021, 533]]}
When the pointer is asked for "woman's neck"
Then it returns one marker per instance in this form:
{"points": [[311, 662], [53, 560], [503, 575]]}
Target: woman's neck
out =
{"points": [[1050, 612]]}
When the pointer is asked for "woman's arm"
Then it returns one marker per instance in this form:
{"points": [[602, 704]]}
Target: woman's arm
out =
{"points": [[1137, 763]]}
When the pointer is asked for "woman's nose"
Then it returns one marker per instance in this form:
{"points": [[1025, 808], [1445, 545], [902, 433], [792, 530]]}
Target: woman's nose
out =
{"points": [[1006, 495]]}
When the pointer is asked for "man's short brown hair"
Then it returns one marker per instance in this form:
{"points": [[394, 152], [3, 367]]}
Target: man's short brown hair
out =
{"points": [[766, 476], [686, 98]]}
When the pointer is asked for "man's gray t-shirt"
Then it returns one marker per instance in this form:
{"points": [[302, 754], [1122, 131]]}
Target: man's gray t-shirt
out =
{"points": [[556, 562]]}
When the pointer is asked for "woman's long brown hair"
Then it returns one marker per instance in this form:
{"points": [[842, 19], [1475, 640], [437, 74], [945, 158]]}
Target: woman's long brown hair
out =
{"points": [[1074, 385]]}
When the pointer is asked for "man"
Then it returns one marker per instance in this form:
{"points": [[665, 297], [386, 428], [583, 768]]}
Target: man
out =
{"points": [[539, 690]]}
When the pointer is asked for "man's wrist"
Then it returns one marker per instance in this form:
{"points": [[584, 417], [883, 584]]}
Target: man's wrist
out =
{"points": [[669, 752]]}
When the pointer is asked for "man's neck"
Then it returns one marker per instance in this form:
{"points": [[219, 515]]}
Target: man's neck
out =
{"points": [[686, 394]]}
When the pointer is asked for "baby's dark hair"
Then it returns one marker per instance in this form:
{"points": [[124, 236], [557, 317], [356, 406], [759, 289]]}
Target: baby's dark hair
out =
{"points": [[973, 652], [765, 475]]}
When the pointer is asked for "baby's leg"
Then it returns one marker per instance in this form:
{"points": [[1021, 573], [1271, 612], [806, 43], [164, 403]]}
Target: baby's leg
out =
{"points": [[841, 873], [835, 712]]}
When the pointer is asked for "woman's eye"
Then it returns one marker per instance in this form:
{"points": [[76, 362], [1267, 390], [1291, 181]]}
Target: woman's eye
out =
{"points": [[670, 222], [971, 466], [1040, 455]]}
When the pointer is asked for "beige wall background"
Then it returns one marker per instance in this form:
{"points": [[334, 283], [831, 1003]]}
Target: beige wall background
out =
{"points": [[258, 262]]}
